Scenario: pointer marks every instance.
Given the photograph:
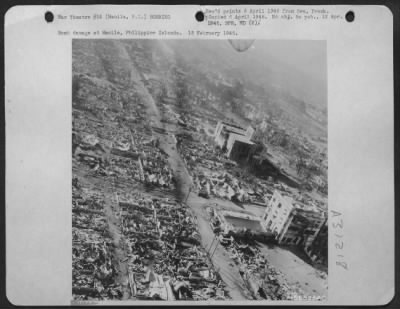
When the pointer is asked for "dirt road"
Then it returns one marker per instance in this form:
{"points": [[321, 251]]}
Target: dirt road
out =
{"points": [[227, 269], [296, 270]]}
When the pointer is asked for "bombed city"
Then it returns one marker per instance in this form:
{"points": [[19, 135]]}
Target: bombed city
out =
{"points": [[199, 170]]}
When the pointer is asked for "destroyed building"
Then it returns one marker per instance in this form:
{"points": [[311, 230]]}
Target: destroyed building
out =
{"points": [[235, 140], [294, 223], [134, 237], [317, 247], [237, 232], [263, 166], [231, 221]]}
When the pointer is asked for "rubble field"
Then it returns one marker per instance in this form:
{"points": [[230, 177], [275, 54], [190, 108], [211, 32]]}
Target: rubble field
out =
{"points": [[131, 238], [148, 180]]}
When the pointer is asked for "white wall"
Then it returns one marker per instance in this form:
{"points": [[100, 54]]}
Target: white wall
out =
{"points": [[278, 212]]}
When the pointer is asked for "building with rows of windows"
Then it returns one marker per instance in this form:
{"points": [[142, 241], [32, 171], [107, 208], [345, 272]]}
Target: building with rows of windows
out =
{"points": [[296, 223]]}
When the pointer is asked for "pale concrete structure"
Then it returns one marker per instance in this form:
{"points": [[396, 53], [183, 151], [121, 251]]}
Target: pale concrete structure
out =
{"points": [[292, 222], [235, 139]]}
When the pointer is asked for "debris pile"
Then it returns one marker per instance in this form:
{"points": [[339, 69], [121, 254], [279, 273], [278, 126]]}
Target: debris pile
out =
{"points": [[120, 158], [261, 278], [214, 175], [131, 239], [93, 268], [165, 258]]}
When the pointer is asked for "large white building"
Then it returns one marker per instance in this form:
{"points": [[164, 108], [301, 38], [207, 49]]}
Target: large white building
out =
{"points": [[292, 222], [235, 139], [277, 213]]}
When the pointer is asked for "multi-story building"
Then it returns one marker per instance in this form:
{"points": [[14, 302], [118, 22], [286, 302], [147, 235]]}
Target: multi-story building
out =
{"points": [[317, 247], [296, 223], [224, 129], [277, 214], [239, 147], [235, 139]]}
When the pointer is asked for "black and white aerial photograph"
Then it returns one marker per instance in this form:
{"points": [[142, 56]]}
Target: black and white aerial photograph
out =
{"points": [[199, 170]]}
